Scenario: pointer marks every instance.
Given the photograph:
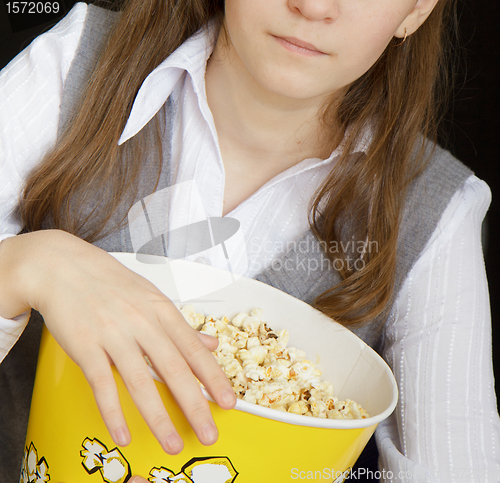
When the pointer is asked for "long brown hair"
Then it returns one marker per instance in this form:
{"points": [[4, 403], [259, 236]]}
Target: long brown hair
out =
{"points": [[397, 100], [400, 101]]}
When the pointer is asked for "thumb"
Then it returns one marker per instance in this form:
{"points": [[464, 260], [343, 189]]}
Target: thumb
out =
{"points": [[137, 479]]}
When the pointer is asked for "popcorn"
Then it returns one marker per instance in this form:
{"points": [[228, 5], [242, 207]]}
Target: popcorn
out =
{"points": [[232, 369], [238, 320], [258, 353], [298, 407], [251, 325], [264, 371], [209, 328], [195, 320]]}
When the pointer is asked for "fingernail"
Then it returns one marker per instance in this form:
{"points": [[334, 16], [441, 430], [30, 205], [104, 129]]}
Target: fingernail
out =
{"points": [[174, 443], [121, 437], [209, 433], [228, 398]]}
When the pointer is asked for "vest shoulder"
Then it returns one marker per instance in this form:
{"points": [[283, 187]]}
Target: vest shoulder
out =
{"points": [[443, 173], [96, 29], [101, 17]]}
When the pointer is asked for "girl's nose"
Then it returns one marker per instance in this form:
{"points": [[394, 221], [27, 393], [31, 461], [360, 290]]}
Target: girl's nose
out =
{"points": [[315, 9]]}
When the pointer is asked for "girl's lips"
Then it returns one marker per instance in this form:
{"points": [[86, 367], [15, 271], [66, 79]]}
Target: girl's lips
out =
{"points": [[295, 45]]}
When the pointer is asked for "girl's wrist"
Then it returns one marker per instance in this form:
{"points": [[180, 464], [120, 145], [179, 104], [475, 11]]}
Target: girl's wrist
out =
{"points": [[14, 260]]}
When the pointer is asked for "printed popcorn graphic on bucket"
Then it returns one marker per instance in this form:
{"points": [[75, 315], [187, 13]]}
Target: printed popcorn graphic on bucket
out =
{"points": [[112, 465], [197, 470], [34, 470]]}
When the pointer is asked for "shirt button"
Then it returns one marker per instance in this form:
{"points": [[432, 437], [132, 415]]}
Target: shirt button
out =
{"points": [[203, 260]]}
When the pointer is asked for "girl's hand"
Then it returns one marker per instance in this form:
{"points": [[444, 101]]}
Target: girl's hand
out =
{"points": [[101, 313]]}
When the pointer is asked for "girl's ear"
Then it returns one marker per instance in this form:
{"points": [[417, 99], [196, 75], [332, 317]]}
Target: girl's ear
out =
{"points": [[416, 18]]}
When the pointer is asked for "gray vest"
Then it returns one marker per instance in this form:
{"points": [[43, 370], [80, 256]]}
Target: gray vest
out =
{"points": [[427, 198]]}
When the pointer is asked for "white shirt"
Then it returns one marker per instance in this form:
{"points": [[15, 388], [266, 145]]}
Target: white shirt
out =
{"points": [[273, 215], [446, 426]]}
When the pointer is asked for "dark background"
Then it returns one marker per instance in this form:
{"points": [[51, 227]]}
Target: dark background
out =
{"points": [[471, 130]]}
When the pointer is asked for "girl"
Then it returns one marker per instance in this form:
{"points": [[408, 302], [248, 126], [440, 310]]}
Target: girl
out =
{"points": [[281, 114]]}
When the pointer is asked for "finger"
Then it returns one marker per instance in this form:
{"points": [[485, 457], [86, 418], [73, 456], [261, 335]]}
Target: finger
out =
{"points": [[102, 382], [175, 372], [210, 341], [139, 382], [201, 361], [208, 371], [138, 479]]}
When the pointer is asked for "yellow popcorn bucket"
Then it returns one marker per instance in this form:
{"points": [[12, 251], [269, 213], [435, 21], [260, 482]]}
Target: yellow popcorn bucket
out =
{"points": [[67, 441]]}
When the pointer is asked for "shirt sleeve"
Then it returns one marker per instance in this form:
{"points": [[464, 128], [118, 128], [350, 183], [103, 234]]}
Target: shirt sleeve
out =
{"points": [[446, 426], [30, 97], [31, 88]]}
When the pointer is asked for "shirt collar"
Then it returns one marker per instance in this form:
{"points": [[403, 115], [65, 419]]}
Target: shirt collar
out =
{"points": [[191, 58], [361, 146]]}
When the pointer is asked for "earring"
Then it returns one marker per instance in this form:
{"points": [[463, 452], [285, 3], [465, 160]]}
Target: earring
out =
{"points": [[404, 39]]}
